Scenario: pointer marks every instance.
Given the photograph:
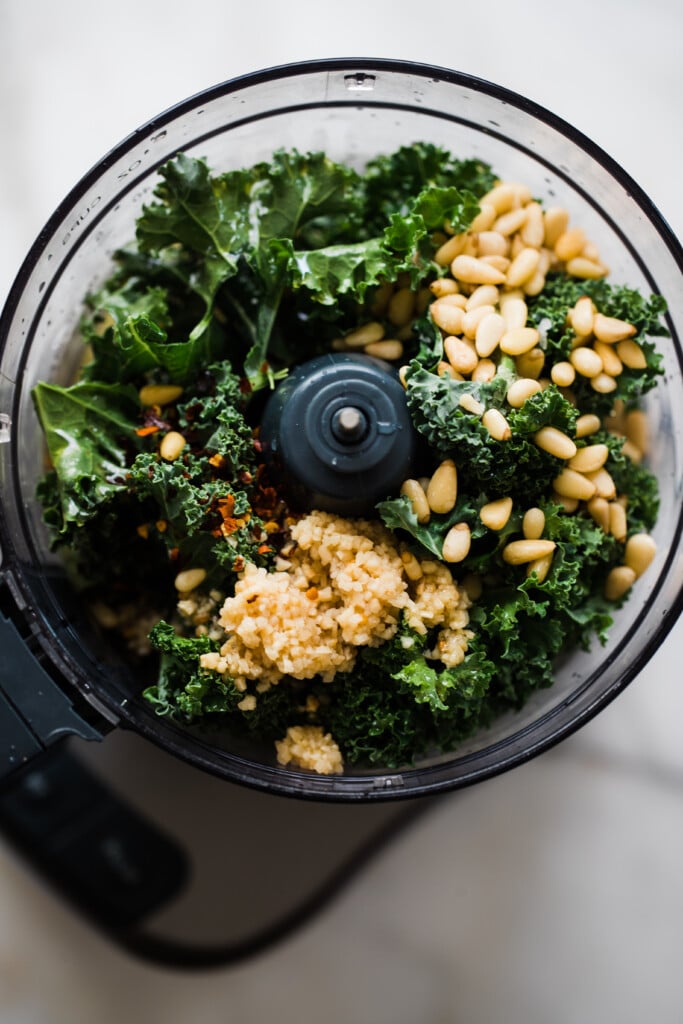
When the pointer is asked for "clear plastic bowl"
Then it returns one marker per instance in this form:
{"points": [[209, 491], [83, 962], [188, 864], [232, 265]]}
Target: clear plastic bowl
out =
{"points": [[353, 110]]}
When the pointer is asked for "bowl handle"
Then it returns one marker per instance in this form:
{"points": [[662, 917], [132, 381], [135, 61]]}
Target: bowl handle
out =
{"points": [[106, 858]]}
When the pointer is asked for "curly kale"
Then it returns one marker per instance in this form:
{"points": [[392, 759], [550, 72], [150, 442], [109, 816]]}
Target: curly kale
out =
{"points": [[183, 687]]}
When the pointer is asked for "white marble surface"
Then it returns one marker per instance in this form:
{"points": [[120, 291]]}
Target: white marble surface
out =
{"points": [[552, 894]]}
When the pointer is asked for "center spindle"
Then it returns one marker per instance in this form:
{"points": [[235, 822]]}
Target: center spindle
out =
{"points": [[349, 424]]}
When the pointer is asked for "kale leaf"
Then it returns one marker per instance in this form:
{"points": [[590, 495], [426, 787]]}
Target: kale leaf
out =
{"points": [[183, 688], [89, 430]]}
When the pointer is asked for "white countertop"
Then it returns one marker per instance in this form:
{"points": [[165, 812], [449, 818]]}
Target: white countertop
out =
{"points": [[551, 894]]}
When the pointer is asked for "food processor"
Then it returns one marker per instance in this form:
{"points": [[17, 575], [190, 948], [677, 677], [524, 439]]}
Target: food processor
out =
{"points": [[64, 686]]}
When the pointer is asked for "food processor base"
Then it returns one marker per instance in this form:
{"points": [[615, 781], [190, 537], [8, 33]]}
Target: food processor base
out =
{"points": [[185, 869]]}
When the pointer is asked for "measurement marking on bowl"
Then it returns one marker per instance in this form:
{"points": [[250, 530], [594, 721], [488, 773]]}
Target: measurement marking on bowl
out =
{"points": [[5, 428], [359, 82]]}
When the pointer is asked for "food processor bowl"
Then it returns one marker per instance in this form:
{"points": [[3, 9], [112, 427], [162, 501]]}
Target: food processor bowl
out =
{"points": [[353, 110]]}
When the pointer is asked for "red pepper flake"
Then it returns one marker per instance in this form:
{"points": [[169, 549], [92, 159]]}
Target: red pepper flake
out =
{"points": [[245, 386], [265, 549], [143, 530], [145, 431], [216, 460], [161, 525], [238, 564]]}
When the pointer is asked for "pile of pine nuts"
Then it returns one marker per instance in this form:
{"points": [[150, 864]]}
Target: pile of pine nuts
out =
{"points": [[398, 305], [480, 307]]}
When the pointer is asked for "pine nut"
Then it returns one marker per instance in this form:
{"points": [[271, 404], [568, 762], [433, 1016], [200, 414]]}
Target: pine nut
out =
{"points": [[519, 341], [413, 490], [159, 394], [445, 369], [553, 441], [401, 307], [444, 286], [568, 504], [520, 390], [619, 581], [171, 446], [582, 315], [532, 231], [603, 483], [590, 458], [404, 333], [563, 374], [587, 424], [189, 579], [589, 270], [585, 361], [610, 330], [611, 363], [591, 252], [639, 552], [631, 452], [389, 349], [470, 404], [447, 315], [456, 545], [484, 295], [617, 520], [473, 586], [636, 427], [447, 252], [555, 223], [530, 364], [598, 508], [569, 244], [364, 335], [571, 484], [475, 271], [492, 243], [516, 246], [500, 263], [484, 371], [495, 514], [603, 384], [541, 566], [547, 259], [631, 355], [411, 566], [519, 552], [490, 330], [514, 311], [523, 267], [616, 420], [502, 197], [535, 284], [461, 354], [496, 424], [533, 523], [402, 375], [380, 299], [486, 216], [510, 222], [472, 319], [443, 487], [422, 300]]}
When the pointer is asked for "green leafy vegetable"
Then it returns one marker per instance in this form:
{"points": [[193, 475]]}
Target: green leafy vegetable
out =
{"points": [[89, 430], [183, 687], [233, 279]]}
